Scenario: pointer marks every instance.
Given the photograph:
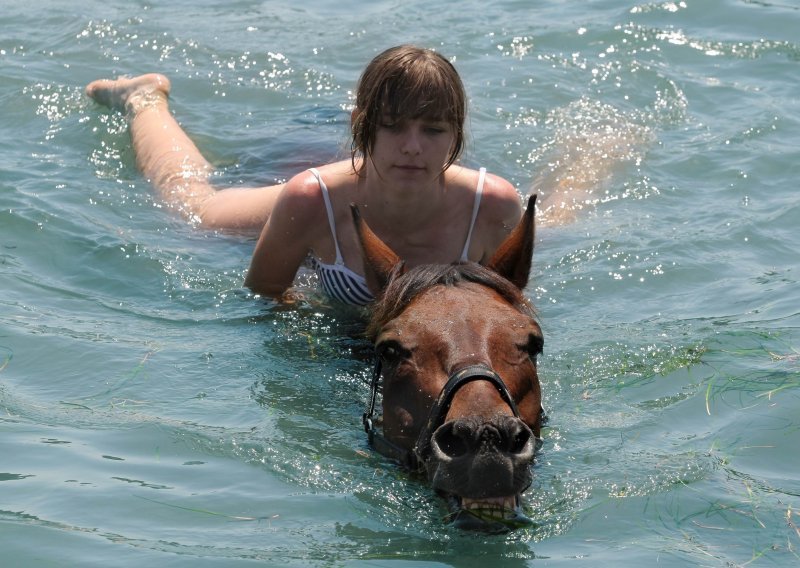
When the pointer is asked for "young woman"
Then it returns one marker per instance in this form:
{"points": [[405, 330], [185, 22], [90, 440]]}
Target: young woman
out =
{"points": [[407, 134]]}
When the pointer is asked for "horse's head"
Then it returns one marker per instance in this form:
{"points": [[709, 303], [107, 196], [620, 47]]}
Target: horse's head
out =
{"points": [[457, 347]]}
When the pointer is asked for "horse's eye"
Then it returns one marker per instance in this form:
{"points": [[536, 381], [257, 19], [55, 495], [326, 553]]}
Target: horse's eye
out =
{"points": [[534, 346], [391, 352]]}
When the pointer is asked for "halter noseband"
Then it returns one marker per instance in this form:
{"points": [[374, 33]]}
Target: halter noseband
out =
{"points": [[415, 458]]}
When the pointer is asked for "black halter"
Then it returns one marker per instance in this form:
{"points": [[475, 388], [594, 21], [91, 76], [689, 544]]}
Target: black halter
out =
{"points": [[415, 458]]}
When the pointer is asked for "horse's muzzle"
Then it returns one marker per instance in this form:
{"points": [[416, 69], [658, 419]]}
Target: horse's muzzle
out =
{"points": [[483, 466]]}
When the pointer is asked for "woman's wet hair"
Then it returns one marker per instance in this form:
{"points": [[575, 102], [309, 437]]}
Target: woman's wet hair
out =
{"points": [[408, 82]]}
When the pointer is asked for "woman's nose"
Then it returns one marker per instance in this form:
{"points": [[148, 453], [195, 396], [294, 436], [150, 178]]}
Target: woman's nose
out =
{"points": [[411, 142]]}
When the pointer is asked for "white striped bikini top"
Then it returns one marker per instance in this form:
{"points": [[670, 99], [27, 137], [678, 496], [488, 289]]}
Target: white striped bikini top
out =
{"points": [[338, 281]]}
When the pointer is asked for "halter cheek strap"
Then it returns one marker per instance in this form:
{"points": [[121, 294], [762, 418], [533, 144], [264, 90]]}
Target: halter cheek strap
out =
{"points": [[375, 438]]}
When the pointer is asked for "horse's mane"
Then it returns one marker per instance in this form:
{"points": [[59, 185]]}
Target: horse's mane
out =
{"points": [[403, 287]]}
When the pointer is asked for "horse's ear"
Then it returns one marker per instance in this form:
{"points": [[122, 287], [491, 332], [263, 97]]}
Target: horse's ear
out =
{"points": [[379, 259], [512, 259]]}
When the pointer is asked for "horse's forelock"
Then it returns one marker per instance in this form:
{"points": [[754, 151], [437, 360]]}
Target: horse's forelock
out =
{"points": [[403, 288]]}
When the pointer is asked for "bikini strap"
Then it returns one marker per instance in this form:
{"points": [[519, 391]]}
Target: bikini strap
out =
{"points": [[329, 208], [475, 206]]}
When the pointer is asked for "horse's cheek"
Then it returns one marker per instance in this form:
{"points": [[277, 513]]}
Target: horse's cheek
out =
{"points": [[398, 423], [405, 419], [530, 407]]}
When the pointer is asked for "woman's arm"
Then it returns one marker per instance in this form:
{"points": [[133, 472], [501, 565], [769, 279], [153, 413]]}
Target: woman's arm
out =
{"points": [[293, 227]]}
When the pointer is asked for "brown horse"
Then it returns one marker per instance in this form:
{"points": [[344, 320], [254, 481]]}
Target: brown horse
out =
{"points": [[457, 347]]}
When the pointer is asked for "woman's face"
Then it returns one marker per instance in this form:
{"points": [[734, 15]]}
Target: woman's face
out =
{"points": [[411, 150]]}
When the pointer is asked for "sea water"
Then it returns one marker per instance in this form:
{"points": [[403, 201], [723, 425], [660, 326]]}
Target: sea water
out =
{"points": [[153, 411]]}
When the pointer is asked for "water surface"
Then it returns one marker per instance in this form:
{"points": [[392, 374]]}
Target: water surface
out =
{"points": [[151, 410]]}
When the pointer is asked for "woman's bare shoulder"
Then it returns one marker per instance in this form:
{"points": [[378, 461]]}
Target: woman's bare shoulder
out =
{"points": [[335, 172], [300, 200], [500, 200], [500, 210]]}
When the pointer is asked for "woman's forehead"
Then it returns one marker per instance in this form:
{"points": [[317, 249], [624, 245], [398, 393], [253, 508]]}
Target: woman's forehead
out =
{"points": [[387, 114]]}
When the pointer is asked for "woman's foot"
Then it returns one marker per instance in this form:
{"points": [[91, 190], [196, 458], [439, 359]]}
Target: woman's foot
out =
{"points": [[126, 94]]}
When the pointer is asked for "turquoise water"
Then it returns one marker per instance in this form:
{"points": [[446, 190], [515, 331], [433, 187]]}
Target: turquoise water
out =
{"points": [[151, 410]]}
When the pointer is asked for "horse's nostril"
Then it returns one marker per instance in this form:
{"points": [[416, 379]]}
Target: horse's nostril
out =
{"points": [[472, 437], [451, 440], [519, 441]]}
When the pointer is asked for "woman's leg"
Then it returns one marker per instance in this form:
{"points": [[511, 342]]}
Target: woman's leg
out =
{"points": [[171, 161], [593, 143]]}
